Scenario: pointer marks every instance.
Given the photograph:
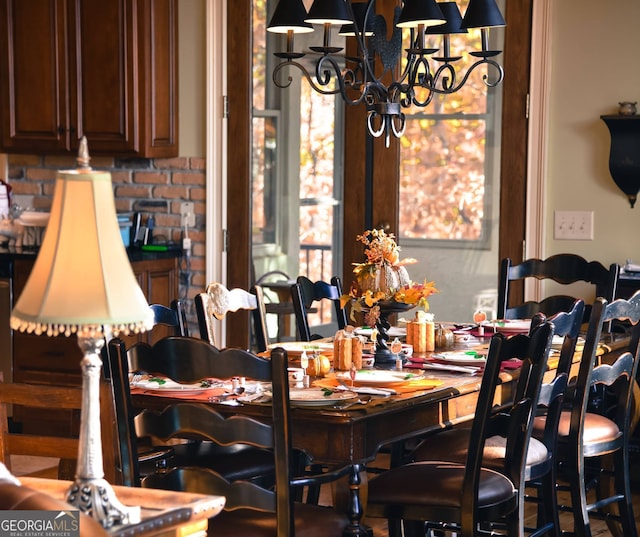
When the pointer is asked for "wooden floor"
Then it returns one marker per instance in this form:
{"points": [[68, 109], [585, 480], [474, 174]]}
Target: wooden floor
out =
{"points": [[48, 468]]}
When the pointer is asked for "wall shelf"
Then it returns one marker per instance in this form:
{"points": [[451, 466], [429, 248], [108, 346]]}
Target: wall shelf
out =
{"points": [[624, 157]]}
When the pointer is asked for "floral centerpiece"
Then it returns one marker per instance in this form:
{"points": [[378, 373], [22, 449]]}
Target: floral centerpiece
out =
{"points": [[383, 278]]}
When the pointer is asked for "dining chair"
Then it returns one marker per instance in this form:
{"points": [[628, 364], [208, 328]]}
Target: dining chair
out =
{"points": [[191, 356], [174, 316], [563, 269], [305, 292], [218, 301], [250, 509], [593, 450], [460, 496], [278, 283], [59, 446], [539, 471]]}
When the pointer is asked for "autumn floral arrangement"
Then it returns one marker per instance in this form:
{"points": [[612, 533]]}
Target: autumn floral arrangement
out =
{"points": [[383, 277]]}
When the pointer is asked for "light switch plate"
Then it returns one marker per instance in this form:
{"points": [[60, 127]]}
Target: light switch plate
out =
{"points": [[187, 216], [573, 225]]}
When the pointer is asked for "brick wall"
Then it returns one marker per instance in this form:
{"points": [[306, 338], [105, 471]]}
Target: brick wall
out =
{"points": [[135, 181]]}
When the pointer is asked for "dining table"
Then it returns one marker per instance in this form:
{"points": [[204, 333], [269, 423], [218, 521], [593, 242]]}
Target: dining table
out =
{"points": [[420, 399]]}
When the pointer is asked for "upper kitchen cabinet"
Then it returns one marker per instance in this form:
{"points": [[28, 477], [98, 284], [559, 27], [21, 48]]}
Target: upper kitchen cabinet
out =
{"points": [[106, 70]]}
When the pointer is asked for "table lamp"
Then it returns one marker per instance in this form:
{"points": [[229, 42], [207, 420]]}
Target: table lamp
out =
{"points": [[82, 283]]}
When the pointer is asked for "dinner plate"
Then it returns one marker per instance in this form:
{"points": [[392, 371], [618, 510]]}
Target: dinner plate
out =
{"points": [[170, 387], [511, 326], [394, 331], [377, 377], [319, 397], [459, 358]]}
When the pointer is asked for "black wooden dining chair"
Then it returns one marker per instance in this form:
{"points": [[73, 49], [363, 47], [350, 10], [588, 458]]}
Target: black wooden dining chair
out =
{"points": [[593, 450], [305, 292], [217, 301], [539, 471], [251, 510], [139, 458], [563, 269], [174, 316], [460, 496]]}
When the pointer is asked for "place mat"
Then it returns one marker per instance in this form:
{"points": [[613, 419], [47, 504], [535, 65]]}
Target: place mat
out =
{"points": [[199, 396], [417, 385]]}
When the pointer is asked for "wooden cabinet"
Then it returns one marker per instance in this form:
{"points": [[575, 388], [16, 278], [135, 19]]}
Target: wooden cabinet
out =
{"points": [[56, 360], [106, 70]]}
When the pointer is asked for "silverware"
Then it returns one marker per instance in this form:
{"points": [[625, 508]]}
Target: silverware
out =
{"points": [[360, 401]]}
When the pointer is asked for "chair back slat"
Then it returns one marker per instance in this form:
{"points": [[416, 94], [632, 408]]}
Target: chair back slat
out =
{"points": [[564, 269], [218, 301], [174, 316]]}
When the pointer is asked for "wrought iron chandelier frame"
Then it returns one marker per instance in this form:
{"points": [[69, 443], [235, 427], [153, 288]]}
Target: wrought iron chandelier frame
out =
{"points": [[355, 76]]}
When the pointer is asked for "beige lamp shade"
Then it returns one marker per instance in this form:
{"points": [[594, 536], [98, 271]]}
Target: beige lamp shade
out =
{"points": [[82, 281]]}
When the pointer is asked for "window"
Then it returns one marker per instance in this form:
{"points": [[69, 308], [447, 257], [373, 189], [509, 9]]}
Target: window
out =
{"points": [[446, 163], [296, 168]]}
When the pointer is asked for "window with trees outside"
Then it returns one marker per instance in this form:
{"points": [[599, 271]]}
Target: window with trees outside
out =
{"points": [[446, 162]]}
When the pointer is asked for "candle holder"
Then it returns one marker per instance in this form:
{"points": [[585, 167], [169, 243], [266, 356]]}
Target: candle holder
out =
{"points": [[383, 355]]}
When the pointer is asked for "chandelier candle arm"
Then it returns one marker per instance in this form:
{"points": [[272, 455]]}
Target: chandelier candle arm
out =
{"points": [[362, 83]]}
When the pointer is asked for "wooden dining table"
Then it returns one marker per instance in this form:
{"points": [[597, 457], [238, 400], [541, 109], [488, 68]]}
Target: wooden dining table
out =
{"points": [[353, 436]]}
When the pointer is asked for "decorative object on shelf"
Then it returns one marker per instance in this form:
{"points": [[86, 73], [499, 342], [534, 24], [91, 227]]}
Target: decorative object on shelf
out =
{"points": [[369, 77], [382, 287], [627, 108], [82, 283], [624, 157]]}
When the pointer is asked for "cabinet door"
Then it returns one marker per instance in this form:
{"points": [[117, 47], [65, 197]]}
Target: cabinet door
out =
{"points": [[102, 37], [158, 69], [33, 75], [103, 69]]}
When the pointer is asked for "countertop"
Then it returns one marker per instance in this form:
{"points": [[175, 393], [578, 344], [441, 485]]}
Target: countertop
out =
{"points": [[9, 253]]}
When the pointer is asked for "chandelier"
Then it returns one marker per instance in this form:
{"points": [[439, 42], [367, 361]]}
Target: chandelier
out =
{"points": [[381, 76]]}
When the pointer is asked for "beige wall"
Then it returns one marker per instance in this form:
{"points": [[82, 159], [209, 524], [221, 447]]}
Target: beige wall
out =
{"points": [[192, 50], [595, 49]]}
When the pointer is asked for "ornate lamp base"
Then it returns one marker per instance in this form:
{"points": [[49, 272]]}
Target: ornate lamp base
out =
{"points": [[90, 492], [97, 498], [384, 357]]}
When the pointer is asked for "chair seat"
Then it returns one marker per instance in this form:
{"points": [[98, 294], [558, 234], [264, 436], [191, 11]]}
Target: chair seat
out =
{"points": [[600, 436], [452, 446], [310, 521], [404, 486]]}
